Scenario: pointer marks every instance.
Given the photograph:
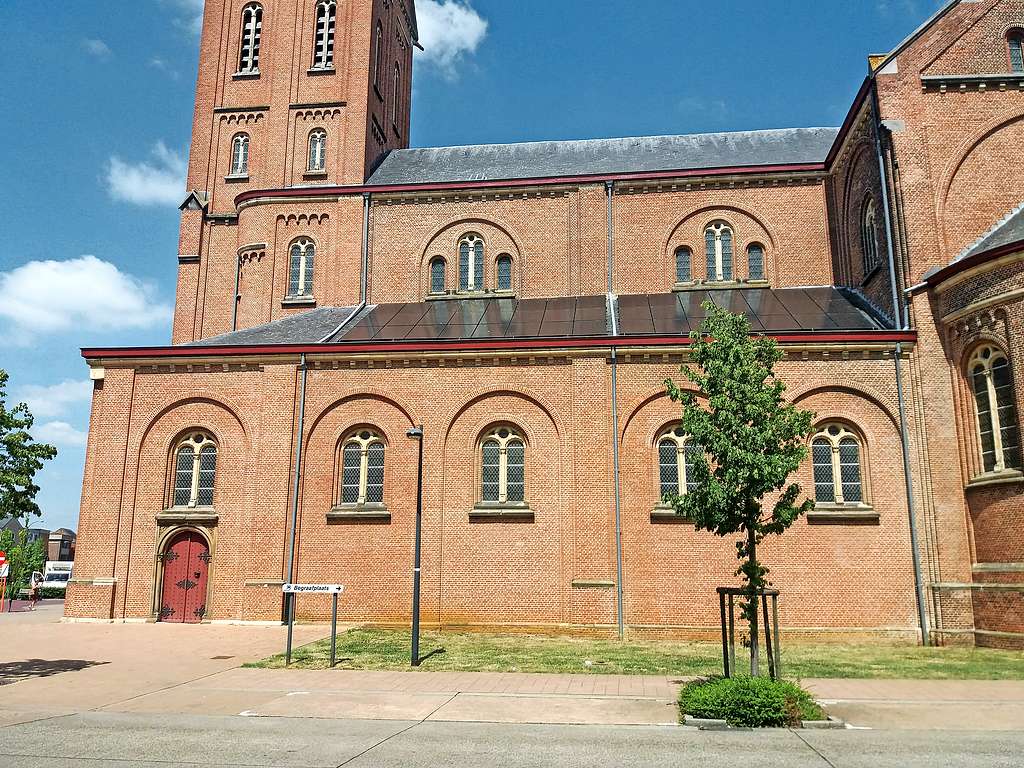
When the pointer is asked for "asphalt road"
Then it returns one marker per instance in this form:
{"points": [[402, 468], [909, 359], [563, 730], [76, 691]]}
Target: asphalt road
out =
{"points": [[121, 740]]}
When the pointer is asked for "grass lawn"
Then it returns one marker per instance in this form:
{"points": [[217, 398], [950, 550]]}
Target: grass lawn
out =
{"points": [[366, 648]]}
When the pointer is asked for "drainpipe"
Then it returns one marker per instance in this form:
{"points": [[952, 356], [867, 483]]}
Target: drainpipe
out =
{"points": [[238, 296], [899, 321], [364, 266], [298, 476], [611, 304]]}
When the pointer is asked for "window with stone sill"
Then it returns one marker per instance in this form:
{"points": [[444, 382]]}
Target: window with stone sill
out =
{"points": [[995, 409], [676, 454], [301, 258], [362, 469], [837, 457], [503, 467], [239, 155], [194, 473], [471, 263], [323, 41], [718, 242], [317, 151], [252, 31], [437, 276]]}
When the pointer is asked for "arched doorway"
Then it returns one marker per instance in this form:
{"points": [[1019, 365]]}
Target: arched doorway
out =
{"points": [[186, 563]]}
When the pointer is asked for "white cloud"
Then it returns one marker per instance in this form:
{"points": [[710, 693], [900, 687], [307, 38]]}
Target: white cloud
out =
{"points": [[449, 30], [96, 47], [189, 14], [164, 66], [47, 402], [60, 434], [157, 182], [86, 294]]}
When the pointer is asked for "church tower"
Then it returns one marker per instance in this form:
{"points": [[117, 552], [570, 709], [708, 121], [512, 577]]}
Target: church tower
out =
{"points": [[291, 94]]}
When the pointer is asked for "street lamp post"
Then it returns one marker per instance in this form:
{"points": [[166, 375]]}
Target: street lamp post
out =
{"points": [[416, 433]]}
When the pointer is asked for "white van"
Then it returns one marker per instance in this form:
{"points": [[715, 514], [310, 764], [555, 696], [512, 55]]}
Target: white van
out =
{"points": [[57, 573]]}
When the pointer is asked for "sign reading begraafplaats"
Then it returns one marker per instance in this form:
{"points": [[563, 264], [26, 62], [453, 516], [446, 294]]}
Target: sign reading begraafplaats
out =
{"points": [[314, 589]]}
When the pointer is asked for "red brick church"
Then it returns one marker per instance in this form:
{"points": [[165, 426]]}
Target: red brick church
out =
{"points": [[525, 303]]}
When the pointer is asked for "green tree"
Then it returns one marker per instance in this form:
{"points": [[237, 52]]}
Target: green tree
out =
{"points": [[20, 458], [752, 441]]}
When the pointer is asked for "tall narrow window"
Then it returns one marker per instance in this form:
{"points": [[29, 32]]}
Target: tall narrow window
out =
{"points": [[471, 263], [1016, 42], [675, 462], [684, 262], [300, 268], [323, 44], [718, 243], [836, 457], [395, 91], [252, 30], [503, 467], [996, 409], [318, 150], [378, 53], [195, 470], [504, 272], [437, 275], [869, 237], [240, 155], [755, 262], [362, 470]]}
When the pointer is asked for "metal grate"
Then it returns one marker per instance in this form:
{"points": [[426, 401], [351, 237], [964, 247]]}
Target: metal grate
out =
{"points": [[207, 475], [183, 475], [824, 479], [516, 471], [491, 455], [849, 470], [668, 469], [375, 473], [351, 455]]}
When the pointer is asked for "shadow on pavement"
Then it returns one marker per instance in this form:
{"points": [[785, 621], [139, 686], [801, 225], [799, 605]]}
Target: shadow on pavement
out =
{"points": [[15, 671]]}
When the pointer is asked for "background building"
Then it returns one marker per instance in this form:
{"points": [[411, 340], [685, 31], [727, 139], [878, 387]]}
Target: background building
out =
{"points": [[525, 304]]}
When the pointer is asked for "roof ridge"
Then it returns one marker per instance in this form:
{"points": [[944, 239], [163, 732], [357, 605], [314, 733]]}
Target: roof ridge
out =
{"points": [[991, 231], [756, 131]]}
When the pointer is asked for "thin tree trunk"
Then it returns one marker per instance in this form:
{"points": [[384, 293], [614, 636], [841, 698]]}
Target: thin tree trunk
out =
{"points": [[752, 597]]}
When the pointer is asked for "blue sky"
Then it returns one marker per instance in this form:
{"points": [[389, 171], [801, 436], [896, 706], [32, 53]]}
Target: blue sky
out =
{"points": [[98, 107]]}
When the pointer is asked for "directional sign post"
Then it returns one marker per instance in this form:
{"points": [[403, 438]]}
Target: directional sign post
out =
{"points": [[313, 589], [5, 569]]}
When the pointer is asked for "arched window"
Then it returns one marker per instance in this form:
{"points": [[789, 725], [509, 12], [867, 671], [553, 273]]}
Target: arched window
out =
{"points": [[504, 272], [378, 52], [838, 475], [755, 261], [318, 150], [323, 43], [718, 242], [252, 29], [676, 454], [996, 409], [869, 236], [1015, 39], [437, 275], [471, 263], [240, 155], [362, 468], [684, 264], [503, 466], [300, 268], [396, 89], [195, 470]]}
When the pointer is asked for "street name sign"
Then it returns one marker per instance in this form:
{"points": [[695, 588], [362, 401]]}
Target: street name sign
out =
{"points": [[313, 589]]}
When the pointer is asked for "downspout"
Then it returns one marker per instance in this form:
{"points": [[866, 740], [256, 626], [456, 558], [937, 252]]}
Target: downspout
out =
{"points": [[899, 322], [298, 476], [611, 304], [238, 297], [365, 264]]}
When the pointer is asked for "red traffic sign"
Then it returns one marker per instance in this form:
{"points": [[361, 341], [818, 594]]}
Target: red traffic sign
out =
{"points": [[3, 558]]}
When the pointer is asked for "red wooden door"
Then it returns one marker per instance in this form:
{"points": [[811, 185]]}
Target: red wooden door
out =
{"points": [[186, 565]]}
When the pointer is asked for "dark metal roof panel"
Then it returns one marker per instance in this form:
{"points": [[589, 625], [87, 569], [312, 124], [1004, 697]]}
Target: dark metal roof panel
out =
{"points": [[1009, 230], [552, 159], [307, 327]]}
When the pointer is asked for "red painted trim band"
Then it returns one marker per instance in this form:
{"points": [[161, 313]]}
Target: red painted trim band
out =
{"points": [[471, 345], [358, 189]]}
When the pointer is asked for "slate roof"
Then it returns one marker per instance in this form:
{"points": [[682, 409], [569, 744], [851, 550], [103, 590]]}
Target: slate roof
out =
{"points": [[307, 327], [770, 310], [1009, 230], [548, 159]]}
